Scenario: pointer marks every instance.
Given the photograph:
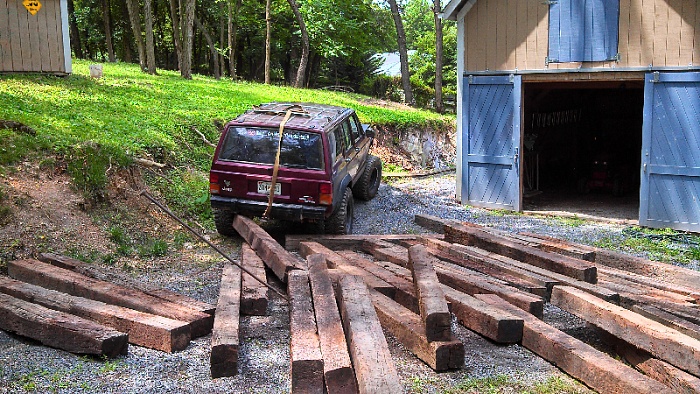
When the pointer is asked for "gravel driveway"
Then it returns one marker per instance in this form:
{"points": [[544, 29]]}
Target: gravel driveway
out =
{"points": [[264, 356]]}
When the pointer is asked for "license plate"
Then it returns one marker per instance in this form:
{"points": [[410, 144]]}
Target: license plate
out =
{"points": [[264, 188]]}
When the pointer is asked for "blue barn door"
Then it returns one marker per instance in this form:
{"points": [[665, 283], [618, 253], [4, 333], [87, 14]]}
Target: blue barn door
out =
{"points": [[491, 142], [670, 189]]}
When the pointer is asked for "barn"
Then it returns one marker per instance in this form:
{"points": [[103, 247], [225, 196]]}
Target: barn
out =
{"points": [[34, 36], [587, 98]]}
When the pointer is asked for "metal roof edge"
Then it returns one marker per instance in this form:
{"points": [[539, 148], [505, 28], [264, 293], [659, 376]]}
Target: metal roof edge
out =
{"points": [[454, 8]]}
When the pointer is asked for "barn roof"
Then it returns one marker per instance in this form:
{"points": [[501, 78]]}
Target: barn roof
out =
{"points": [[454, 7]]}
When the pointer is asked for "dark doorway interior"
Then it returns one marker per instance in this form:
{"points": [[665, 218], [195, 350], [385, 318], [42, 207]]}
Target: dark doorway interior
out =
{"points": [[582, 147]]}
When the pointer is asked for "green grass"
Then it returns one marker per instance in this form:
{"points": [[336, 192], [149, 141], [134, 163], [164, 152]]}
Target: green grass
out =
{"points": [[505, 384], [664, 245]]}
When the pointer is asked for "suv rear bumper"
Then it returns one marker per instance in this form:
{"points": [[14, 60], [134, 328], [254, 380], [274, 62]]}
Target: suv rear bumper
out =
{"points": [[293, 212]]}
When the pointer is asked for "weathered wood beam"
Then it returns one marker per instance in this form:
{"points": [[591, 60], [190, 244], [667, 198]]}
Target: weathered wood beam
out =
{"points": [[278, 259], [408, 328], [337, 367], [60, 330], [569, 266], [662, 342], [432, 223], [254, 296], [305, 352], [225, 340], [431, 300], [593, 367], [144, 329], [374, 367], [55, 278], [468, 282], [668, 319], [654, 283], [405, 292], [96, 273], [336, 261], [338, 242]]}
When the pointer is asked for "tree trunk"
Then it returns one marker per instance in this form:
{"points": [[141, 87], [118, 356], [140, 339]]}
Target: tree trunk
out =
{"points": [[304, 60], [108, 30], [134, 10], [150, 46], [268, 39], [403, 53], [74, 32], [232, 27], [222, 40], [177, 36], [212, 46], [187, 32], [438, 57]]}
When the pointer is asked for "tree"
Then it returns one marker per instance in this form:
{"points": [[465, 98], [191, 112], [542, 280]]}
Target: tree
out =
{"points": [[403, 52], [182, 17], [438, 57], [177, 37], [212, 46], [108, 31], [133, 7], [150, 46], [268, 39], [303, 61], [232, 27]]}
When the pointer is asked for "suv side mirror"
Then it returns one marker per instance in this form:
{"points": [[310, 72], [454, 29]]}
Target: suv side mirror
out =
{"points": [[369, 132]]}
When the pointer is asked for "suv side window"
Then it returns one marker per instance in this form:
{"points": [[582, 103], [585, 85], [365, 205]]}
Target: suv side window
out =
{"points": [[332, 146], [342, 141], [355, 128], [347, 130]]}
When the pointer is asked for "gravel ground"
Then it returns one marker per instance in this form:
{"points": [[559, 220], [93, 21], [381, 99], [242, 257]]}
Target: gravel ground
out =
{"points": [[26, 366]]}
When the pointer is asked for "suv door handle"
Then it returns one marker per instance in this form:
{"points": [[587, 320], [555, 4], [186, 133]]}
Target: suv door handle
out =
{"points": [[357, 149], [348, 159]]}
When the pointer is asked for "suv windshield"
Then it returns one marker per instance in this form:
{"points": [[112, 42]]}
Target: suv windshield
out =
{"points": [[258, 145]]}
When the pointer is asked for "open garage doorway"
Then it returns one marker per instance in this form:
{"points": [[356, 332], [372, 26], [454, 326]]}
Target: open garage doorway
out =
{"points": [[581, 144]]}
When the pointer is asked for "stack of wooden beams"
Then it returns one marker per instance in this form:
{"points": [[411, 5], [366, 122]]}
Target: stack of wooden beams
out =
{"points": [[60, 302], [496, 283]]}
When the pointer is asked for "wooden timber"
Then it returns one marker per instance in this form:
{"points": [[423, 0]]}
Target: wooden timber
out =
{"points": [[668, 319], [468, 282], [59, 329], [254, 296], [225, 334], [664, 343], [336, 261], [338, 374], [578, 359], [374, 367], [305, 351], [144, 329], [94, 272], [431, 300], [279, 260], [472, 236], [408, 328], [338, 242], [405, 292], [55, 278]]}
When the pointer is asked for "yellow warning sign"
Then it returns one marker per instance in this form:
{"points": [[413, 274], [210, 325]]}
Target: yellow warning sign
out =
{"points": [[33, 6]]}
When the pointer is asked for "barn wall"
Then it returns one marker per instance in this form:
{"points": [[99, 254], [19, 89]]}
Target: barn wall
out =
{"points": [[505, 35], [34, 43]]}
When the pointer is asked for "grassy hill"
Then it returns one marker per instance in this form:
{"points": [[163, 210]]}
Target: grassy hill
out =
{"points": [[91, 125]]}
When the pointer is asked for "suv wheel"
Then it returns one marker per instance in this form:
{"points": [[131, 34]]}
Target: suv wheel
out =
{"points": [[368, 184], [223, 219], [340, 222]]}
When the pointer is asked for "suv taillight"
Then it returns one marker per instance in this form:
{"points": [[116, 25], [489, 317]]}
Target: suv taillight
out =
{"points": [[325, 194], [214, 187]]}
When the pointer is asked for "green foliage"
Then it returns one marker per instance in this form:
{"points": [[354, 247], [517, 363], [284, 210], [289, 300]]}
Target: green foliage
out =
{"points": [[503, 383], [664, 245], [5, 207]]}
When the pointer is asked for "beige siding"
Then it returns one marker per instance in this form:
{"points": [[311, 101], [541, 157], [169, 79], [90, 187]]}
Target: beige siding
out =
{"points": [[504, 35], [31, 43]]}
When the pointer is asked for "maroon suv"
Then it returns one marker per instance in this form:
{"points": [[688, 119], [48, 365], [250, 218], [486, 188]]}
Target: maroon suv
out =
{"points": [[324, 161]]}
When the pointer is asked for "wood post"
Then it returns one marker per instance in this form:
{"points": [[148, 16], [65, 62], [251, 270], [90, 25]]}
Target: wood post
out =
{"points": [[665, 343], [144, 329], [254, 294], [272, 253], [60, 330], [578, 359], [431, 300], [304, 348], [51, 277], [374, 367], [337, 367], [224, 337], [569, 266]]}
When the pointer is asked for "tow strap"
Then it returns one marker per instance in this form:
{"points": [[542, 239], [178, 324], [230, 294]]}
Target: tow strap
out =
{"points": [[275, 169]]}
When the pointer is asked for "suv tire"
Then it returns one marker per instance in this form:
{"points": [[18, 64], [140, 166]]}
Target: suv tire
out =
{"points": [[340, 222], [368, 184], [223, 219]]}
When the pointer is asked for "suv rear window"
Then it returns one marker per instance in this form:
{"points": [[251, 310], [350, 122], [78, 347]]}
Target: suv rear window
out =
{"points": [[259, 145]]}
